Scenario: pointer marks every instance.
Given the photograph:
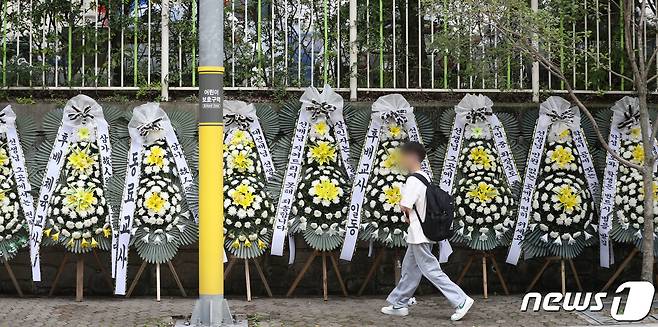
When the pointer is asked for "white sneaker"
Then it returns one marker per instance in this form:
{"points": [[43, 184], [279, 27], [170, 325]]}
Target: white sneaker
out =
{"points": [[395, 311], [461, 310]]}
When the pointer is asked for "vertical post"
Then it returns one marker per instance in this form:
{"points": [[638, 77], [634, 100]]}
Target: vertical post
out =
{"points": [[211, 309], [534, 4], [164, 51], [353, 51]]}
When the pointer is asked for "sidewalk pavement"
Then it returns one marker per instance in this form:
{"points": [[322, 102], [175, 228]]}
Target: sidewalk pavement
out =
{"points": [[353, 311]]}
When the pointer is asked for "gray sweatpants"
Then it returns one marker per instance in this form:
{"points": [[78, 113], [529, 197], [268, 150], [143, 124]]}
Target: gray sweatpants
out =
{"points": [[418, 262]]}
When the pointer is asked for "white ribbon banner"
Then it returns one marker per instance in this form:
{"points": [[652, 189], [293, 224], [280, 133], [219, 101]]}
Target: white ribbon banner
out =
{"points": [[311, 100], [394, 107], [149, 124], [240, 115], [555, 110], [79, 110], [17, 157]]}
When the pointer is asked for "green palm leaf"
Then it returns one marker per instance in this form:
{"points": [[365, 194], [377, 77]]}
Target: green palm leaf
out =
{"points": [[269, 121]]}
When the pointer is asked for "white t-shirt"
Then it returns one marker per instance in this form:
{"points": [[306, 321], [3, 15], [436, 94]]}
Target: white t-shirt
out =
{"points": [[413, 193]]}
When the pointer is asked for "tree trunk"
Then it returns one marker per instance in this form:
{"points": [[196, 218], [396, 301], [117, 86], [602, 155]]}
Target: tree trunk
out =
{"points": [[648, 177]]}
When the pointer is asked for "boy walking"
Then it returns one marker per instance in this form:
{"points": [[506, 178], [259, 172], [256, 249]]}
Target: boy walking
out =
{"points": [[419, 260]]}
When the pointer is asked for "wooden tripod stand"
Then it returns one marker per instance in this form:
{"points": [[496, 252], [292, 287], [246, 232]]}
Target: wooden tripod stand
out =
{"points": [[247, 278], [375, 265], [14, 281], [484, 256], [307, 264], [157, 280], [79, 274], [563, 274]]}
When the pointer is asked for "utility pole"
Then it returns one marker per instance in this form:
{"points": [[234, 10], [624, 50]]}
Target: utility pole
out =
{"points": [[211, 308]]}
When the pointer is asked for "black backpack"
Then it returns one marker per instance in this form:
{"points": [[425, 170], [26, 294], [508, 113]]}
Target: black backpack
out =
{"points": [[439, 212]]}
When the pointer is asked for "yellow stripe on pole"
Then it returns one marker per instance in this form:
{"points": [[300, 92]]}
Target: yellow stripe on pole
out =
{"points": [[211, 69], [211, 213]]}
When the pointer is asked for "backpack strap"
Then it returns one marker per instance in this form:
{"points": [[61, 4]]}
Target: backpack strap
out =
{"points": [[422, 178]]}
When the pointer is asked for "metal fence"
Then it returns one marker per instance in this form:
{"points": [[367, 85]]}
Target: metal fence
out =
{"points": [[365, 45]]}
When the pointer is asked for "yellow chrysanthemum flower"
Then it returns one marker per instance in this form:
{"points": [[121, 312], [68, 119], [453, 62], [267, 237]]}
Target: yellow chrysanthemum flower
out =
{"points": [[242, 161], [80, 199], [107, 232], [395, 130], [323, 153], [84, 133], [241, 137], [242, 196], [638, 154], [156, 157], [94, 243], [321, 127], [482, 192], [3, 195], [84, 243], [4, 158], [568, 199], [393, 195], [247, 243], [636, 133], [480, 157], [562, 156], [235, 244], [155, 202], [393, 159], [80, 160], [326, 190], [55, 237], [261, 244]]}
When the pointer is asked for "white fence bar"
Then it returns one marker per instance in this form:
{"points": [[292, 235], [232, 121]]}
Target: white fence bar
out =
{"points": [[386, 40]]}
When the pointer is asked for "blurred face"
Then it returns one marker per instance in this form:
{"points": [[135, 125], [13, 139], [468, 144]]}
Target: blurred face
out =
{"points": [[409, 161]]}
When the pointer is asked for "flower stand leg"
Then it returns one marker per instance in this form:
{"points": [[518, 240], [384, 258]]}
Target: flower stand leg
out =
{"points": [[62, 265], [157, 282], [262, 277], [301, 274], [563, 277], [176, 279], [575, 275], [102, 269], [469, 262], [397, 267], [140, 271], [325, 295], [484, 277], [231, 263], [13, 279], [540, 273], [499, 273], [79, 278], [375, 264], [334, 262], [620, 269], [247, 279]]}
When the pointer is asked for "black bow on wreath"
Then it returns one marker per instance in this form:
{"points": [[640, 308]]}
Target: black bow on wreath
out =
{"points": [[83, 114], [566, 116], [630, 118], [478, 114], [320, 109], [146, 128], [242, 121], [397, 116]]}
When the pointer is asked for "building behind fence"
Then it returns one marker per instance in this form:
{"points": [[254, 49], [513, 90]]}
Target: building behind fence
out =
{"points": [[390, 45]]}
